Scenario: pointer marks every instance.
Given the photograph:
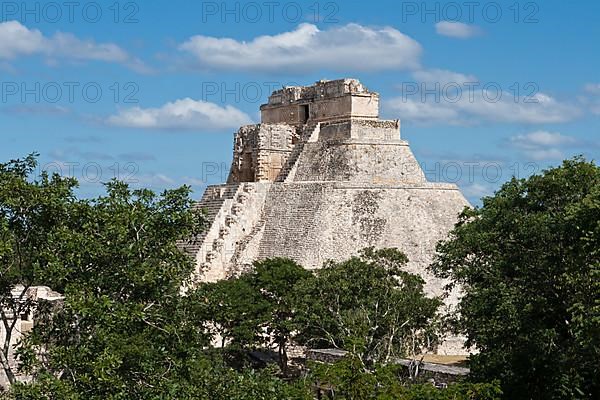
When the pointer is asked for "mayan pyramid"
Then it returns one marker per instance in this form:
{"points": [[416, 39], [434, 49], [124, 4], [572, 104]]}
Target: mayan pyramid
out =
{"points": [[320, 178]]}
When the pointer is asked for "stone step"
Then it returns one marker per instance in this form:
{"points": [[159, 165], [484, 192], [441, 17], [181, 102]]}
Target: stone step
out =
{"points": [[290, 162], [212, 202]]}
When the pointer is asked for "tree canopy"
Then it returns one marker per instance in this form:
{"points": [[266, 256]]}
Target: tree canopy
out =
{"points": [[370, 306], [528, 261], [34, 216]]}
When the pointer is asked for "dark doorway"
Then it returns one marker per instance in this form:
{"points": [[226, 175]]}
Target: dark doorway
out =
{"points": [[304, 114]]}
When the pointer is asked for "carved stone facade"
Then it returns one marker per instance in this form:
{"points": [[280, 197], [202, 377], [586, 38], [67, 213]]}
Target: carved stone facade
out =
{"points": [[320, 178], [260, 152], [324, 101]]}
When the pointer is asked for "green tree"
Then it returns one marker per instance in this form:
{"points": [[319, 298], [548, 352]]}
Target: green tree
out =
{"points": [[123, 330], [33, 212], [347, 379], [528, 261], [369, 306], [207, 380], [235, 311], [275, 280], [256, 309]]}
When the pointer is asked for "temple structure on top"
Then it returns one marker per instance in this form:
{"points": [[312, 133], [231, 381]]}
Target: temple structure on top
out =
{"points": [[327, 111], [323, 102], [319, 178]]}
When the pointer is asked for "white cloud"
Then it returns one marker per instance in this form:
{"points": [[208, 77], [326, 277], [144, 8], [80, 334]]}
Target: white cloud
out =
{"points": [[186, 114], [422, 111], [542, 145], [163, 179], [540, 139], [593, 88], [476, 190], [442, 76], [349, 47], [545, 154], [152, 181], [476, 106], [17, 40], [466, 102], [591, 98], [36, 109], [190, 180], [456, 29]]}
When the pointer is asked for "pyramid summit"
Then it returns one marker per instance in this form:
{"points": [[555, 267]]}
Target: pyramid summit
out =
{"points": [[320, 178]]}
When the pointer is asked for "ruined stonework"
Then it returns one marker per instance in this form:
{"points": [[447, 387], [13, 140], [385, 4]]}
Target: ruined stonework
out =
{"points": [[21, 324], [320, 178]]}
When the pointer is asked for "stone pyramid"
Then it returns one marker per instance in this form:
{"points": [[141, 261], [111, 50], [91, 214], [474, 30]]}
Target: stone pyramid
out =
{"points": [[320, 178]]}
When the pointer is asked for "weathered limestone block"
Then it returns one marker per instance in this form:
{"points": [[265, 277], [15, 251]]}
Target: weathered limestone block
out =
{"points": [[316, 222], [324, 101], [211, 256], [218, 245], [230, 220], [260, 151], [224, 231], [374, 163], [237, 209], [242, 198], [365, 129]]}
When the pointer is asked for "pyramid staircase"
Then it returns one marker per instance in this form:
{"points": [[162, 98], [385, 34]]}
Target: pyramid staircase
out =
{"points": [[211, 203], [308, 133]]}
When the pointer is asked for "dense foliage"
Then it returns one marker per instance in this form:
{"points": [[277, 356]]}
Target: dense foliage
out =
{"points": [[256, 309], [348, 380], [126, 331], [369, 306], [123, 331], [529, 263], [33, 218]]}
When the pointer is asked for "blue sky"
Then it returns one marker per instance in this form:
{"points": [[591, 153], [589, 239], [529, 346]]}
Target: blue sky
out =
{"points": [[152, 91]]}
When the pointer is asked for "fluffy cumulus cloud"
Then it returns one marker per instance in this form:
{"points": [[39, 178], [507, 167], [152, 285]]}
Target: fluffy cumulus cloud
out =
{"points": [[475, 106], [456, 29], [184, 114], [543, 145], [307, 48], [16, 40]]}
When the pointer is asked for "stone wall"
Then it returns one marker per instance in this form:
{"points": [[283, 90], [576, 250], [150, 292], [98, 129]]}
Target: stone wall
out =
{"points": [[320, 90], [361, 129], [440, 375], [312, 222], [379, 163], [315, 222], [260, 151], [324, 101]]}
